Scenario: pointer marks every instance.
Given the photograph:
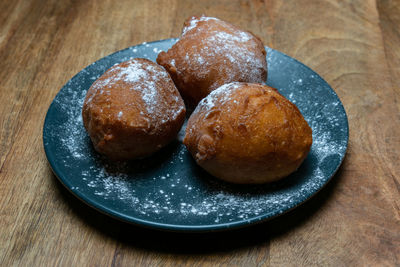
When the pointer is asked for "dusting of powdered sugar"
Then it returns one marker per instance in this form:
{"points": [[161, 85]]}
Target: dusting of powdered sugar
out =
{"points": [[237, 52], [144, 78], [218, 97], [140, 76], [169, 188], [194, 22]]}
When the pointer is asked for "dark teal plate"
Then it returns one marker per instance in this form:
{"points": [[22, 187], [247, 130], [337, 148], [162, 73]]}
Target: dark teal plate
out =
{"points": [[168, 190]]}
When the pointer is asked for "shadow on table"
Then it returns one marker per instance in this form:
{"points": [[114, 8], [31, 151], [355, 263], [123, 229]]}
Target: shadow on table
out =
{"points": [[172, 242]]}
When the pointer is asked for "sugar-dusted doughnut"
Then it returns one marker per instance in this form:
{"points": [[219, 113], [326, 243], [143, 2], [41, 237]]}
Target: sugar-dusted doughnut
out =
{"points": [[210, 53], [247, 133], [133, 110]]}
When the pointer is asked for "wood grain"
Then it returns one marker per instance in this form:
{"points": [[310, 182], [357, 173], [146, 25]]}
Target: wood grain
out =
{"points": [[355, 220]]}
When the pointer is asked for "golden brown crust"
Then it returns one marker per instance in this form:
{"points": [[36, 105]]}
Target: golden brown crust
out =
{"points": [[132, 110], [248, 133], [211, 53]]}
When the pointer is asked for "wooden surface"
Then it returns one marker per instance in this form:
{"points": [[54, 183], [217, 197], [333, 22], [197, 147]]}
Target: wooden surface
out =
{"points": [[352, 44]]}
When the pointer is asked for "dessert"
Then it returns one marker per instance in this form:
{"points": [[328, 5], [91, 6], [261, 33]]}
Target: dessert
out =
{"points": [[210, 53], [248, 134], [132, 110]]}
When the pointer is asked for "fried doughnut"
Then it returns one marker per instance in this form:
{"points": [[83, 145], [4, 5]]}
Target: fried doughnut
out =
{"points": [[247, 134], [132, 110], [210, 53]]}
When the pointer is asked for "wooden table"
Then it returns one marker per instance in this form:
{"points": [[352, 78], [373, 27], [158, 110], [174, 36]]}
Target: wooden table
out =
{"points": [[353, 45]]}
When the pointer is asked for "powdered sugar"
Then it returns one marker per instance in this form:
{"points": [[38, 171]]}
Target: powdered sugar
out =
{"points": [[239, 36], [141, 77], [194, 21], [221, 94], [133, 73], [235, 54], [230, 46]]}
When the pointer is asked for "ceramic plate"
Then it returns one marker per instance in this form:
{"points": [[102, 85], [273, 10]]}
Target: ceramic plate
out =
{"points": [[168, 190]]}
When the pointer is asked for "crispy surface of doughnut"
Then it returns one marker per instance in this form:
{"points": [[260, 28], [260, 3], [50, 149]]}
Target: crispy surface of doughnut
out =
{"points": [[248, 133], [210, 53], [132, 110]]}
